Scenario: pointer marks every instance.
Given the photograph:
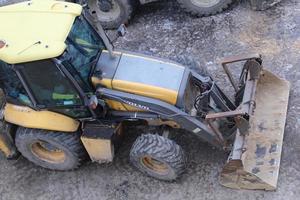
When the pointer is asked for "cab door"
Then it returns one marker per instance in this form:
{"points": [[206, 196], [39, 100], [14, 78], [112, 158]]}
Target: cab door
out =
{"points": [[49, 88]]}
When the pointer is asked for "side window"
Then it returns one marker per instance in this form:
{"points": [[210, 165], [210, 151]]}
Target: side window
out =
{"points": [[12, 86], [80, 61], [83, 47], [48, 84], [77, 75]]}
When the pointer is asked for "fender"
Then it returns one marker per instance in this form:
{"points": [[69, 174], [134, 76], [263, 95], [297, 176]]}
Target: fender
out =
{"points": [[29, 118]]}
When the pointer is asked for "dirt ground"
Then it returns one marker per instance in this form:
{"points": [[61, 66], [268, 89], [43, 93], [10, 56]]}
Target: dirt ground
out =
{"points": [[162, 29]]}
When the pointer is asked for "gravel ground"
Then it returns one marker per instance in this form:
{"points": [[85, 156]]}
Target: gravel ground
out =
{"points": [[162, 29]]}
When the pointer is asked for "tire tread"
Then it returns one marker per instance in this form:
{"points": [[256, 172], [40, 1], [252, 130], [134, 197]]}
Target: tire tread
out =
{"points": [[71, 141], [161, 148], [204, 12]]}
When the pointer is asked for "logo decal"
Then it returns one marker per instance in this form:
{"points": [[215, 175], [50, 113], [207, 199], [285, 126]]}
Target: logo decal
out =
{"points": [[137, 105]]}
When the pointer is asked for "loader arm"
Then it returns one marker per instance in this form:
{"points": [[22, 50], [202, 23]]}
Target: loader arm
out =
{"points": [[246, 108], [163, 111]]}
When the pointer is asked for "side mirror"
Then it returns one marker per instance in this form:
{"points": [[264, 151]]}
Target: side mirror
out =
{"points": [[122, 30]]}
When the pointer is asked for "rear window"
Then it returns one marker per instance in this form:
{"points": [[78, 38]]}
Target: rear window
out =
{"points": [[12, 86]]}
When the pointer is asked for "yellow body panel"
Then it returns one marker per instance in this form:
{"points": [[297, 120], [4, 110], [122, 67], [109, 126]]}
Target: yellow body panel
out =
{"points": [[27, 117], [163, 94], [35, 30], [115, 105], [169, 96], [4, 148], [105, 82], [100, 150]]}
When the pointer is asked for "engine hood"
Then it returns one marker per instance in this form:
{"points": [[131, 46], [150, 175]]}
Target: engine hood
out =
{"points": [[142, 75]]}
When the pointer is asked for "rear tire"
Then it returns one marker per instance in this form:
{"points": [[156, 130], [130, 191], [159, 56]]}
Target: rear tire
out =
{"points": [[158, 157], [204, 8], [50, 149]]}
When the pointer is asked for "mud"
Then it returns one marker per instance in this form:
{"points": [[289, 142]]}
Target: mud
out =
{"points": [[163, 29]]}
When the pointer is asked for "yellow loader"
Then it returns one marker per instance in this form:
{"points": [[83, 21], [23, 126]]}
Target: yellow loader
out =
{"points": [[68, 97]]}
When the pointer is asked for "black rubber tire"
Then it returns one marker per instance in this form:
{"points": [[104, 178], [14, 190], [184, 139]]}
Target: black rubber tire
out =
{"points": [[199, 11], [161, 149], [69, 143], [127, 8]]}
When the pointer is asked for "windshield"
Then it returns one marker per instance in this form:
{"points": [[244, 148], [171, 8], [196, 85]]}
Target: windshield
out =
{"points": [[84, 44]]}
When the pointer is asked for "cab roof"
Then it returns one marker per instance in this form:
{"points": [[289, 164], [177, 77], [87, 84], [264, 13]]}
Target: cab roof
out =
{"points": [[35, 30]]}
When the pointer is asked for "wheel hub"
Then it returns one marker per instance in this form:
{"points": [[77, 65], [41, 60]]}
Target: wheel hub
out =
{"points": [[104, 10], [47, 152], [105, 5], [154, 165]]}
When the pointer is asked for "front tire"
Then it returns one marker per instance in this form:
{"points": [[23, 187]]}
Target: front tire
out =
{"points": [[50, 149], [204, 7], [158, 157]]}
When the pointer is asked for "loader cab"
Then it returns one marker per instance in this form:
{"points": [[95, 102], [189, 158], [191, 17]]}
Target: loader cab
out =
{"points": [[59, 84]]}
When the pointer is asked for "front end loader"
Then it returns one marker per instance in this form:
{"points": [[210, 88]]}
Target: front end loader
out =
{"points": [[68, 98]]}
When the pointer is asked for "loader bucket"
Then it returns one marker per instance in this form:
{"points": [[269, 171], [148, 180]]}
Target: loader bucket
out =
{"points": [[255, 159]]}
